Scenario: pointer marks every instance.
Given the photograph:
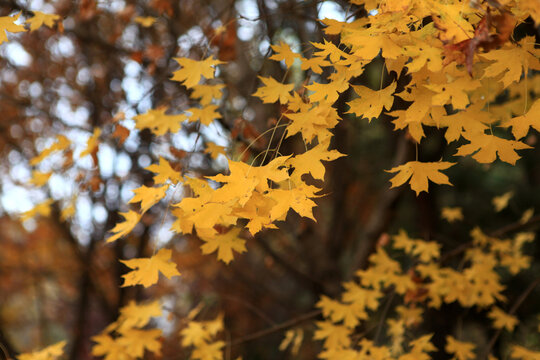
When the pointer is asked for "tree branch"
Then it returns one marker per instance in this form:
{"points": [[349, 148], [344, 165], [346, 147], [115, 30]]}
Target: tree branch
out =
{"points": [[276, 328], [512, 311]]}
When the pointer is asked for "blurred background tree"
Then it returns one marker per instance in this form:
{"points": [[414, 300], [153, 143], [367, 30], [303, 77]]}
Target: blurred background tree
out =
{"points": [[108, 61]]}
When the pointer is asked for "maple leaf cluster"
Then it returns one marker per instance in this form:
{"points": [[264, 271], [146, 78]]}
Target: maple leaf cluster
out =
{"points": [[425, 284]]}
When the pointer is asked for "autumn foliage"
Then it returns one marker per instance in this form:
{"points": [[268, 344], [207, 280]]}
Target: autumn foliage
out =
{"points": [[264, 185]]}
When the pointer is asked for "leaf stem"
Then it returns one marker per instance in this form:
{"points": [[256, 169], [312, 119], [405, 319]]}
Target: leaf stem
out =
{"points": [[257, 138]]}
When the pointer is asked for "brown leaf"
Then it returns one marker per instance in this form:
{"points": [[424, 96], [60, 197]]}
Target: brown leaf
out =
{"points": [[180, 154], [68, 160], [463, 51], [121, 133], [154, 52], [126, 13], [246, 130], [95, 183], [87, 9], [225, 39], [162, 6], [137, 56], [94, 153]]}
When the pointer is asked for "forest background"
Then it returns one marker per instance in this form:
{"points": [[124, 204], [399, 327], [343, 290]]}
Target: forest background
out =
{"points": [[188, 138]]}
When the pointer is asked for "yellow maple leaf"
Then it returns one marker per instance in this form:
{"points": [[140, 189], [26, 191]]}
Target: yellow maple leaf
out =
{"points": [[214, 326], [349, 314], [206, 93], [61, 143], [108, 347], [396, 330], [314, 64], [526, 216], [214, 150], [272, 91], [210, 351], [250, 176], [512, 61], [364, 297], [40, 19], [422, 54], [148, 196], [522, 353], [283, 52], [51, 352], [423, 344], [419, 173], [411, 315], [367, 46], [486, 147], [203, 215], [515, 261], [136, 341], [452, 214], [200, 333], [158, 122], [206, 115], [257, 211], [329, 92], [403, 241], [370, 103], [224, 244], [502, 320], [520, 125], [239, 184], [68, 211], [7, 23], [298, 199], [309, 162], [164, 172], [39, 178], [453, 92], [453, 27], [472, 120], [413, 125], [417, 113], [313, 122], [426, 250], [195, 333], [334, 27], [135, 315], [92, 143], [124, 228], [293, 337], [382, 272], [501, 201], [145, 21], [41, 209], [420, 96], [192, 70], [146, 270], [334, 335], [459, 349], [330, 50]]}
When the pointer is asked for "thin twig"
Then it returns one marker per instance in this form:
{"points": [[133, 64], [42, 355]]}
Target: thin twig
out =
{"points": [[250, 306], [512, 227], [276, 328], [383, 316]]}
